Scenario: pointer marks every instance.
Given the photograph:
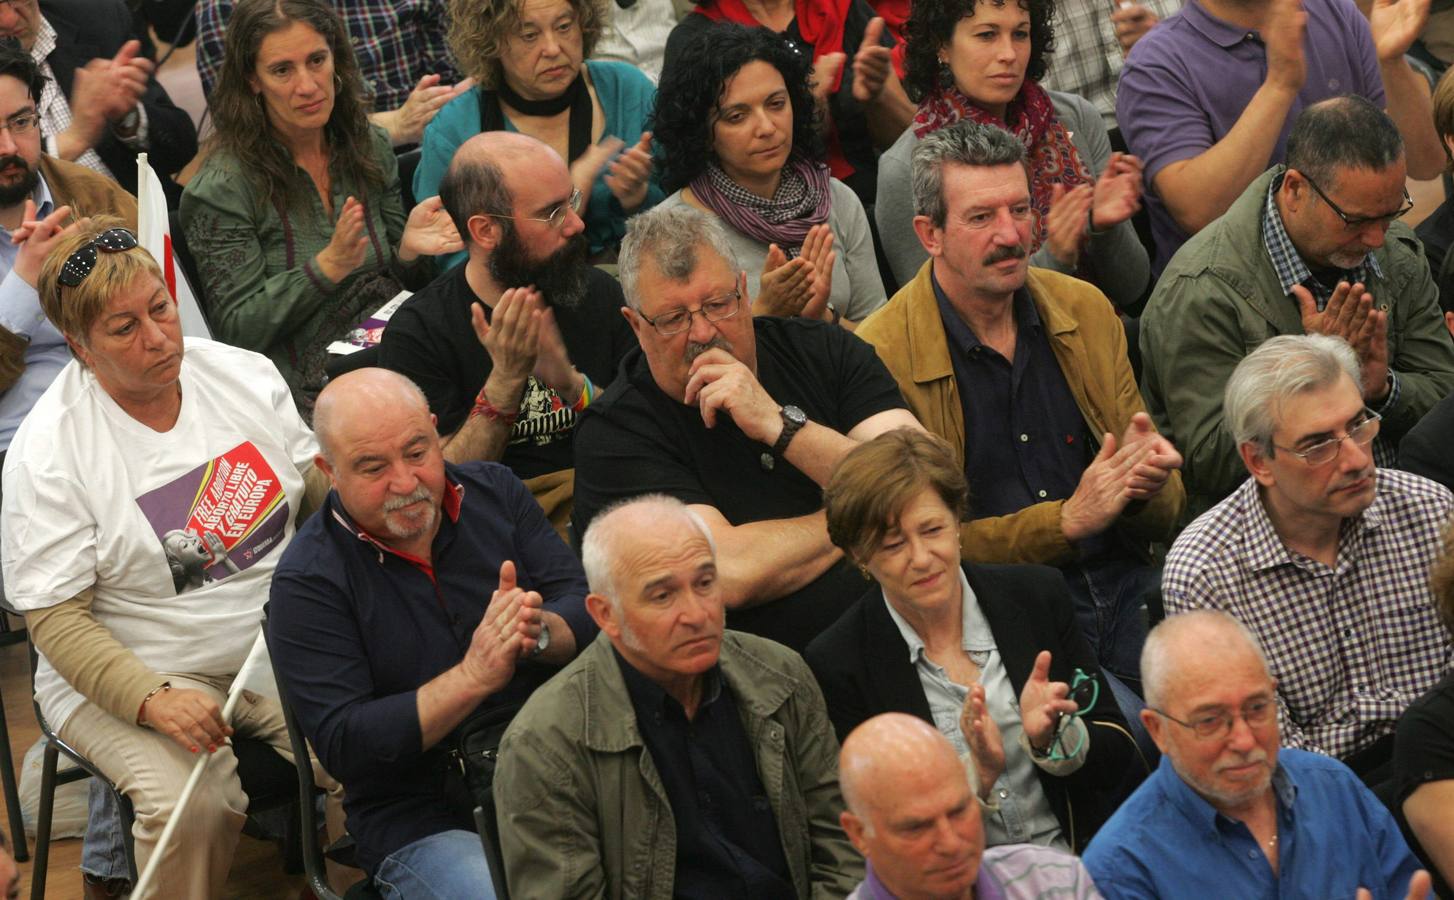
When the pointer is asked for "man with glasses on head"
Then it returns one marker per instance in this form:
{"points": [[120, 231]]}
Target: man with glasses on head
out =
{"points": [[1229, 813], [1311, 247], [511, 345], [1321, 554], [741, 418]]}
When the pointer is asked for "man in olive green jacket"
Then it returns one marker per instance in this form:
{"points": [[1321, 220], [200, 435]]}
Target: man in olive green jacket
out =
{"points": [[597, 800], [1238, 282]]}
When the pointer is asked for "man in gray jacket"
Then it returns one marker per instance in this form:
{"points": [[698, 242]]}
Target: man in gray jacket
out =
{"points": [[671, 758], [1312, 247]]}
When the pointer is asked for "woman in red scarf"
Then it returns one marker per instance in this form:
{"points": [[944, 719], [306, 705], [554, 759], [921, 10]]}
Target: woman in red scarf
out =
{"points": [[863, 101], [982, 60]]}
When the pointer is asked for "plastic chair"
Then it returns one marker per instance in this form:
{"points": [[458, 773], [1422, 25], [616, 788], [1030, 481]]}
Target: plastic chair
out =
{"points": [[314, 865]]}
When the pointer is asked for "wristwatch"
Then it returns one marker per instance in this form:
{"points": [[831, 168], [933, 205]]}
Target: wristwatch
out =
{"points": [[793, 421], [542, 643]]}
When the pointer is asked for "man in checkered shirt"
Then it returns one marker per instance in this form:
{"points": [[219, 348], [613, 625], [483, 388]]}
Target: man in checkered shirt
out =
{"points": [[1321, 554]]}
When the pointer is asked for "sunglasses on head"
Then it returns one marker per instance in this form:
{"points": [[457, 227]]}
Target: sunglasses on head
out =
{"points": [[80, 263]]}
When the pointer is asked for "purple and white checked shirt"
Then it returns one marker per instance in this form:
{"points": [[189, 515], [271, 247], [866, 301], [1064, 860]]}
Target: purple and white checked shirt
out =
{"points": [[1350, 646]]}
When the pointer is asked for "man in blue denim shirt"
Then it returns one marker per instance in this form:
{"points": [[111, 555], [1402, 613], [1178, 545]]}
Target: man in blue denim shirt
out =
{"points": [[1227, 813]]}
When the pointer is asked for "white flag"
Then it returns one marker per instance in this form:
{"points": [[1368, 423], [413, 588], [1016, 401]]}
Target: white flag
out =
{"points": [[155, 234]]}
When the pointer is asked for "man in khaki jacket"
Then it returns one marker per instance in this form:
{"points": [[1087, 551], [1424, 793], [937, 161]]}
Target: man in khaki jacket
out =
{"points": [[1025, 374], [671, 758]]}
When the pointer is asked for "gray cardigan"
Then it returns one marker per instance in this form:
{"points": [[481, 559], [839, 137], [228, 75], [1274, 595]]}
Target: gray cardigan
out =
{"points": [[1117, 258], [857, 288]]}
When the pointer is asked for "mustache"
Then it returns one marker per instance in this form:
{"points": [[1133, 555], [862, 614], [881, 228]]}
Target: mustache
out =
{"points": [[1000, 254], [13, 160], [396, 503], [1256, 755], [695, 349]]}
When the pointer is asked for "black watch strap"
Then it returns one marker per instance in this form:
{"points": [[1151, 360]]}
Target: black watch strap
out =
{"points": [[793, 421]]}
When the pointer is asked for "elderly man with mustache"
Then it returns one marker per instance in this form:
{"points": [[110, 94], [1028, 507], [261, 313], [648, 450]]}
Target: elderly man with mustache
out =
{"points": [[1229, 813], [1024, 372], [740, 417], [1321, 553], [420, 594]]}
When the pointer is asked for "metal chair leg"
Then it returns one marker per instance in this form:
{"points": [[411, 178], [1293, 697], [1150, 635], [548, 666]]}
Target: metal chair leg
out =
{"points": [[42, 821], [18, 843]]}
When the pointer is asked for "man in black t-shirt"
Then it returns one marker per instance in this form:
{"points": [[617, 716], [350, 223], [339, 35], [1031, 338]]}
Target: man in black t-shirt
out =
{"points": [[511, 345], [741, 418]]}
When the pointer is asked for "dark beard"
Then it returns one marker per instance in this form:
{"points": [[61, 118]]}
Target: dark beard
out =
{"points": [[17, 193], [560, 277]]}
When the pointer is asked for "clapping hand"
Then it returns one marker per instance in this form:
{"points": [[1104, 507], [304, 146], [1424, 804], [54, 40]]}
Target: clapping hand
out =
{"points": [[508, 632], [430, 231], [1350, 315], [983, 737], [872, 64], [629, 175], [1043, 703], [349, 245], [406, 124], [1117, 191], [512, 335], [1065, 223], [37, 238]]}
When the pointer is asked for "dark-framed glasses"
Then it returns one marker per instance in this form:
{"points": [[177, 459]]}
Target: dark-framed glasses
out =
{"points": [[1085, 690], [714, 309], [556, 217], [1361, 433], [80, 263], [1355, 222], [1217, 725]]}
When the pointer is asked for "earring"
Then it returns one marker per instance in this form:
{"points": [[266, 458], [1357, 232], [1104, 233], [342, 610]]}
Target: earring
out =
{"points": [[863, 570], [337, 83], [944, 73]]}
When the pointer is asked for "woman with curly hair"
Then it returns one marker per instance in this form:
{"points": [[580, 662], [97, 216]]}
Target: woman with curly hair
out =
{"points": [[982, 60], [295, 218], [737, 129], [528, 60]]}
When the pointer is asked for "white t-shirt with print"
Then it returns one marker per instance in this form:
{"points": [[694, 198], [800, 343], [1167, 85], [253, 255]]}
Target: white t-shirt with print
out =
{"points": [[177, 532]]}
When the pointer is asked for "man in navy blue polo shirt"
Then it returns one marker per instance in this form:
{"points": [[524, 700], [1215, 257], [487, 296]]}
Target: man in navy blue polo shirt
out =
{"points": [[420, 592]]}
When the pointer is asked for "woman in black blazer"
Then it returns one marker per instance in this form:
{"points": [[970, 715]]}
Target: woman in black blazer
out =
{"points": [[991, 667]]}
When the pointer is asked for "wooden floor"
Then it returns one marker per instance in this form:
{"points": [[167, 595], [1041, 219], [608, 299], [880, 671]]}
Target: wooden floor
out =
{"points": [[257, 870]]}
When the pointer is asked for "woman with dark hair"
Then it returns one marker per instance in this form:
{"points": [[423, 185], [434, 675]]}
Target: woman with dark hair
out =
{"points": [[295, 218], [982, 60], [737, 129], [529, 62], [990, 655], [854, 83]]}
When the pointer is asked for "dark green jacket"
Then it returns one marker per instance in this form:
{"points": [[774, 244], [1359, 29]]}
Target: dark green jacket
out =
{"points": [[583, 812], [1220, 298]]}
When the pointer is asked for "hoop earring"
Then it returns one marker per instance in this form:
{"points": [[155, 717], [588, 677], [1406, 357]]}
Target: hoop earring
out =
{"points": [[337, 83]]}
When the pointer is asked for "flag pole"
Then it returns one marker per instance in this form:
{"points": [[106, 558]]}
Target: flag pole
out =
{"points": [[254, 658]]}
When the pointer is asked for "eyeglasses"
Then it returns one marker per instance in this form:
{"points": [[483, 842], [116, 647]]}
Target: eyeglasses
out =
{"points": [[555, 218], [1323, 452], [20, 124], [1355, 222], [713, 310], [1084, 690], [80, 263], [1215, 726]]}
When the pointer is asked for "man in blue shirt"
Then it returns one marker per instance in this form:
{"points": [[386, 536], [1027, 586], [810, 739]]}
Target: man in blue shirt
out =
{"points": [[1227, 813], [387, 635]]}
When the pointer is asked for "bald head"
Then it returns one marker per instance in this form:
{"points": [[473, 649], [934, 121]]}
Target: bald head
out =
{"points": [[1193, 645], [478, 180], [359, 396], [884, 753], [603, 544]]}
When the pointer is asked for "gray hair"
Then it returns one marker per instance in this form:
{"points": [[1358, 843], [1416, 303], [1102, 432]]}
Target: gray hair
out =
{"points": [[1345, 132], [602, 541], [1158, 659], [966, 143], [669, 236], [1276, 372]]}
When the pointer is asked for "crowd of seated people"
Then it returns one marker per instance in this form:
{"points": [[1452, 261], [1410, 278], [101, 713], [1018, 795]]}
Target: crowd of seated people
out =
{"points": [[790, 467]]}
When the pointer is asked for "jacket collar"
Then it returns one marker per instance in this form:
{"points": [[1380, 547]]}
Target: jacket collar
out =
{"points": [[758, 688]]}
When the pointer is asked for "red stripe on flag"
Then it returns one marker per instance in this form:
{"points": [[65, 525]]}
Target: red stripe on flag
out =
{"points": [[169, 268]]}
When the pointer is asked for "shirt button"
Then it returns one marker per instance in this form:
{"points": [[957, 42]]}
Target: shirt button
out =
{"points": [[1024, 438], [1043, 495], [1251, 854], [1003, 793]]}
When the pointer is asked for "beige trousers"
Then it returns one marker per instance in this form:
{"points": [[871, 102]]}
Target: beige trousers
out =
{"points": [[151, 770]]}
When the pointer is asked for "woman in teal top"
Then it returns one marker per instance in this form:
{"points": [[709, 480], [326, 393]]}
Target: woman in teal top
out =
{"points": [[295, 219], [527, 56]]}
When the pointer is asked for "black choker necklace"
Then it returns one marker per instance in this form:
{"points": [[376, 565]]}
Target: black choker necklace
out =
{"points": [[576, 98], [549, 107]]}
